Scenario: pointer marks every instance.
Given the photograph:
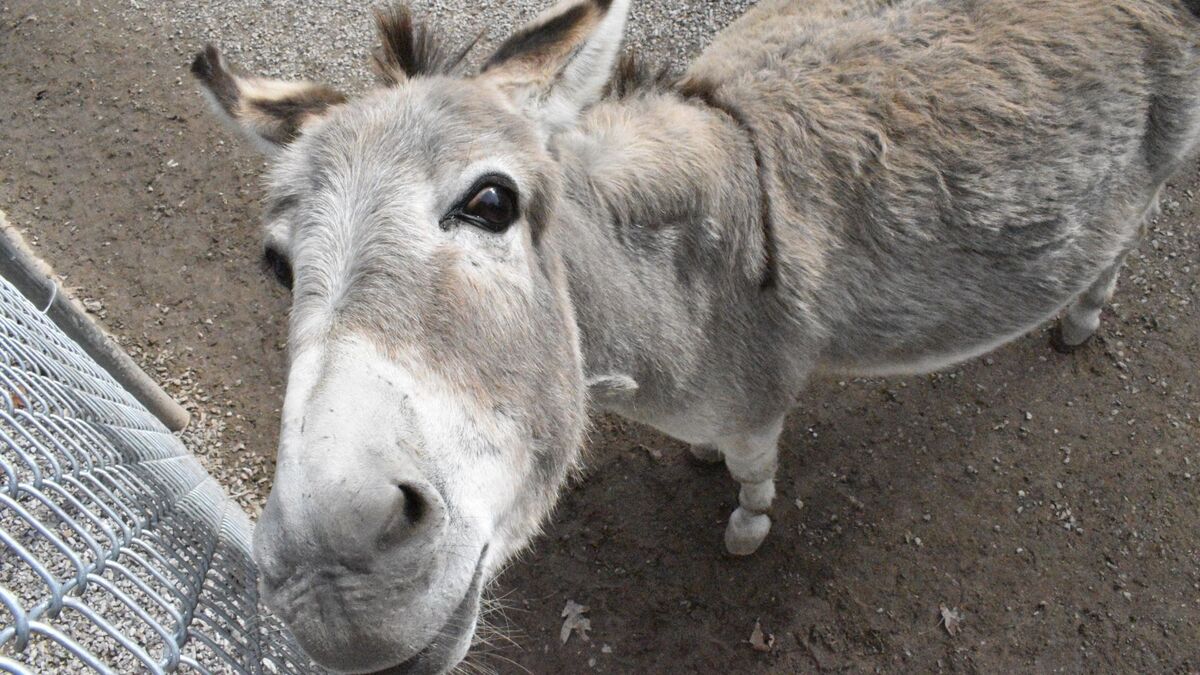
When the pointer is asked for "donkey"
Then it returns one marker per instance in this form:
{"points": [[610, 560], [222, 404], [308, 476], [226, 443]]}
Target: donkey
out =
{"points": [[855, 187]]}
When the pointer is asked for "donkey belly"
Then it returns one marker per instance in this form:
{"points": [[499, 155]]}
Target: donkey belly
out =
{"points": [[940, 196], [958, 307], [951, 352]]}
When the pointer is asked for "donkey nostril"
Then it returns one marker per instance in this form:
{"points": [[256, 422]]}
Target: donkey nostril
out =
{"points": [[415, 511], [414, 504]]}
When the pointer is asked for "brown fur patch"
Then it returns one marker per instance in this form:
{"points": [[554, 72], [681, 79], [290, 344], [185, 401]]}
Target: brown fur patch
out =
{"points": [[409, 48], [207, 68], [542, 42], [271, 110], [702, 89], [284, 116], [634, 75]]}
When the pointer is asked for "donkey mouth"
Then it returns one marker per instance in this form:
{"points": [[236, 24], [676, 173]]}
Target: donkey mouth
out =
{"points": [[449, 644]]}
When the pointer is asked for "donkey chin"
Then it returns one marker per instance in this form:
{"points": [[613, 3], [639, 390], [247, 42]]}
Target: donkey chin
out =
{"points": [[415, 614]]}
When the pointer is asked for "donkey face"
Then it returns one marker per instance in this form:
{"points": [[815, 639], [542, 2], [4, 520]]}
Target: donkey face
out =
{"points": [[435, 398]]}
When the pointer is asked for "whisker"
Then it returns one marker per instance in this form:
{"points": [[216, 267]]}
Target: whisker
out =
{"points": [[507, 660]]}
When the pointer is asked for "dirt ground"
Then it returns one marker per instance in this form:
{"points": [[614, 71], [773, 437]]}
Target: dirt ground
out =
{"points": [[1050, 504]]}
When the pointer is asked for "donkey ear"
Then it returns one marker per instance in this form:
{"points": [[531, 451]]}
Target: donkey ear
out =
{"points": [[269, 112], [560, 63]]}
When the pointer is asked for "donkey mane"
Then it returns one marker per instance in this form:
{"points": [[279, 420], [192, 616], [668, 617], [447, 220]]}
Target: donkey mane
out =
{"points": [[634, 75], [410, 48]]}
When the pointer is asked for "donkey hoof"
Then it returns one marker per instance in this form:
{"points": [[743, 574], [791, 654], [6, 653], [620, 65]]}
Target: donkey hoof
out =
{"points": [[705, 454], [746, 531], [1066, 341]]}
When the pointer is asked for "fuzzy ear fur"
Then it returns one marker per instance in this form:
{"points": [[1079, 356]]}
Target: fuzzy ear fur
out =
{"points": [[269, 112], [561, 62], [408, 48]]}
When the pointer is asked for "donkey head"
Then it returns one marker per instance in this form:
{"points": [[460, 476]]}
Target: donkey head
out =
{"points": [[435, 398]]}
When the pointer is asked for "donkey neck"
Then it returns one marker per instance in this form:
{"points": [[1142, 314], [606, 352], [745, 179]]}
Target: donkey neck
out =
{"points": [[661, 236]]}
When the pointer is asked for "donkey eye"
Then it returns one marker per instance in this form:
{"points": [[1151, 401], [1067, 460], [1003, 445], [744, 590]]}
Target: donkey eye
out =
{"points": [[494, 207], [277, 264]]}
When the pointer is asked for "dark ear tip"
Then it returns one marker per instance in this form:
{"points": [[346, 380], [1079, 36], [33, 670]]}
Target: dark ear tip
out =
{"points": [[206, 63]]}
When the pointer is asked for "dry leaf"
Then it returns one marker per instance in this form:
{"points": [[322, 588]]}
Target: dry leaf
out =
{"points": [[951, 619], [18, 397], [574, 620], [760, 641]]}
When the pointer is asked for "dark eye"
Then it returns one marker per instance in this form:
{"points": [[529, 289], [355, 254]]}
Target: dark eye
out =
{"points": [[493, 207], [278, 265]]}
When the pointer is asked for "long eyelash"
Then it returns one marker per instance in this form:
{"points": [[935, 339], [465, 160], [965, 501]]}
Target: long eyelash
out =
{"points": [[486, 179]]}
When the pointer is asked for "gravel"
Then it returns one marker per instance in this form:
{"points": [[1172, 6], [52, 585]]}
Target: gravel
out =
{"points": [[330, 40]]}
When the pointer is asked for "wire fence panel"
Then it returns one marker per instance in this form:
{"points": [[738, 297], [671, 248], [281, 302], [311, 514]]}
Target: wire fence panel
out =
{"points": [[118, 552]]}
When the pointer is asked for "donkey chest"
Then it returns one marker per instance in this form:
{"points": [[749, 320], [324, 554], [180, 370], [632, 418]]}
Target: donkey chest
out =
{"points": [[698, 423], [734, 383]]}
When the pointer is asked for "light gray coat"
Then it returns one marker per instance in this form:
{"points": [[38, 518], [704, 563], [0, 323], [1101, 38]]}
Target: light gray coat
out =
{"points": [[834, 186]]}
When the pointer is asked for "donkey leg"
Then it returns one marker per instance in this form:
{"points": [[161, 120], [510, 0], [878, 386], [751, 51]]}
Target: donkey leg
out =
{"points": [[1083, 316], [751, 460]]}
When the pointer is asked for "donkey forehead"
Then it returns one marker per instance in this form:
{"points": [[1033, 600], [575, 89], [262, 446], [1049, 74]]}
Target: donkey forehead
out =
{"points": [[359, 197], [426, 131]]}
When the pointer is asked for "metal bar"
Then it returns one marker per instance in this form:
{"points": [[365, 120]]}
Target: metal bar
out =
{"points": [[118, 552], [35, 280]]}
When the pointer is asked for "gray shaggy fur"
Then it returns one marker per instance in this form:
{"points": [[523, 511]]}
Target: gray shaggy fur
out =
{"points": [[942, 176], [857, 187]]}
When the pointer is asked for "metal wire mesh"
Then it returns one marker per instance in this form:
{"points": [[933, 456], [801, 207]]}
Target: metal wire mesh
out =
{"points": [[118, 552]]}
